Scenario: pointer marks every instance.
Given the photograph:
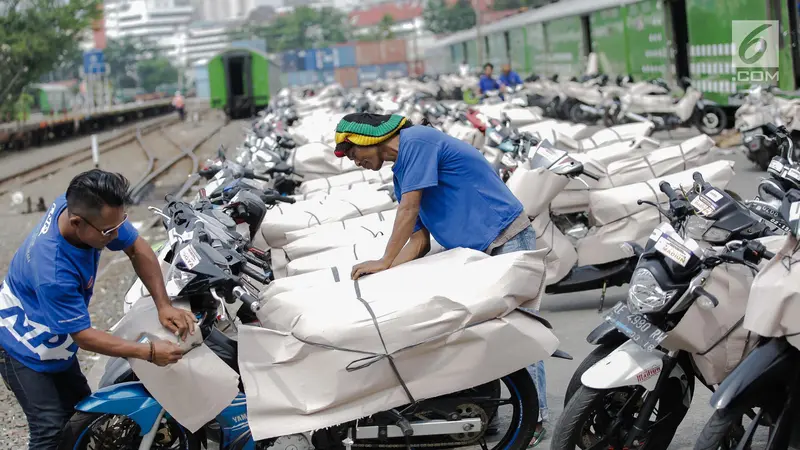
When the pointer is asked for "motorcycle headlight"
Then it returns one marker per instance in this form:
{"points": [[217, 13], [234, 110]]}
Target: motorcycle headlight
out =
{"points": [[716, 235], [696, 226], [644, 293]]}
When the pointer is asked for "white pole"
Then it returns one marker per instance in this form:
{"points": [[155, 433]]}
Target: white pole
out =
{"points": [[95, 152]]}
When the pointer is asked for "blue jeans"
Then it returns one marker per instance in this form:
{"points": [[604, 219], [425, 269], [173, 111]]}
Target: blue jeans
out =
{"points": [[47, 399], [526, 240]]}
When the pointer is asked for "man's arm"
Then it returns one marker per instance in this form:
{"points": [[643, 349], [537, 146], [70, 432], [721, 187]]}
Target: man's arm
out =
{"points": [[404, 222], [147, 267], [418, 246], [94, 340]]}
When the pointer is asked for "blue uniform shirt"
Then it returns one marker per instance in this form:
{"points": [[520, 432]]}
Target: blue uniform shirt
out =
{"points": [[488, 84], [464, 202], [46, 293], [510, 80]]}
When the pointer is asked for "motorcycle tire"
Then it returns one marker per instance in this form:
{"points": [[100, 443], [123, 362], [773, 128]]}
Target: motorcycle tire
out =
{"points": [[577, 115], [599, 352], [724, 427], [763, 158], [76, 436], [579, 413], [721, 120]]}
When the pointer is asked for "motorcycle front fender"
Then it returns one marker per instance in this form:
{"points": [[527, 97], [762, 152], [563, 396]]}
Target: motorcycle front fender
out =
{"points": [[766, 365], [125, 399], [628, 365], [606, 334]]}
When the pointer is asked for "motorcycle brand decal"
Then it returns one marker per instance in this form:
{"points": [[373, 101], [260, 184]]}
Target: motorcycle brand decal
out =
{"points": [[793, 173], [646, 374], [243, 417], [714, 195], [703, 205], [775, 165], [666, 247], [190, 256]]}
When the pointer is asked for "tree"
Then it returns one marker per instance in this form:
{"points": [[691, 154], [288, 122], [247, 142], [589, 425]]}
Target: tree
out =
{"points": [[304, 28], [440, 18], [122, 57], [384, 30], [155, 72], [501, 5], [36, 36]]}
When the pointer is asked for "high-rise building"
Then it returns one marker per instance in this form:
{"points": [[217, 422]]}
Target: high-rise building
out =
{"points": [[162, 22]]}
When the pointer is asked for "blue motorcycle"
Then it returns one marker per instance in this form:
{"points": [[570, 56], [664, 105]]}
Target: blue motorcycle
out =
{"points": [[122, 414]]}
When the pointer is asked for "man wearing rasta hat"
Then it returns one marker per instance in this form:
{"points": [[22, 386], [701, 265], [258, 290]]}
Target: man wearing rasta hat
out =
{"points": [[445, 187]]}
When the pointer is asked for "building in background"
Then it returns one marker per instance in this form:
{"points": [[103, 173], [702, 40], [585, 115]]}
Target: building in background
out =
{"points": [[206, 39], [224, 10], [164, 22]]}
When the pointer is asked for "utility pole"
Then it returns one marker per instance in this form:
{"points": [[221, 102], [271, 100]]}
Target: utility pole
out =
{"points": [[479, 34]]}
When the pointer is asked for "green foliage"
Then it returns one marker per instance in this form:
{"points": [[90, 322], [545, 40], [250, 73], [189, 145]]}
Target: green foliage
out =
{"points": [[382, 31], [155, 72], [442, 19], [501, 5], [38, 36], [304, 28]]}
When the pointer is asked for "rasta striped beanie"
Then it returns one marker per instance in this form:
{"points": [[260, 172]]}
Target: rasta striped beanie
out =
{"points": [[366, 129]]}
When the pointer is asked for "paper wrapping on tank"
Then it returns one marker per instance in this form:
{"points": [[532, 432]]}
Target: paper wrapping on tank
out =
{"points": [[571, 201], [349, 255], [609, 205], [606, 136], [552, 129], [605, 243], [561, 254], [773, 308], [316, 160], [467, 133], [290, 217], [535, 188], [337, 191], [370, 220], [300, 370], [384, 175], [517, 115]]}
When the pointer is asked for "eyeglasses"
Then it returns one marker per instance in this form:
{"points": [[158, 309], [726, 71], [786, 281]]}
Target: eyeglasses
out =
{"points": [[110, 230]]}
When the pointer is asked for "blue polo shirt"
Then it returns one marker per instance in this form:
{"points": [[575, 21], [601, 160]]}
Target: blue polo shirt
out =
{"points": [[45, 295], [488, 84], [464, 201], [511, 79]]}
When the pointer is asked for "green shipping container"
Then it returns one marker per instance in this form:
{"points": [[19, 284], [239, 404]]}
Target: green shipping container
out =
{"points": [[565, 53], [497, 51], [472, 53], [517, 51], [537, 49], [647, 44], [609, 40], [711, 48]]}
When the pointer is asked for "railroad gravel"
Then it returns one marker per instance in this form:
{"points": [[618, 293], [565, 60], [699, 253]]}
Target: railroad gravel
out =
{"points": [[116, 274]]}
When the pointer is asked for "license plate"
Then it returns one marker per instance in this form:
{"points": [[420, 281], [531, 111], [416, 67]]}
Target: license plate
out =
{"points": [[636, 327]]}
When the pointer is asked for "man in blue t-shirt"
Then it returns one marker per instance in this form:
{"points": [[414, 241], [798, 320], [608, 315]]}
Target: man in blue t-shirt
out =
{"points": [[445, 188], [44, 316], [487, 82], [509, 78]]}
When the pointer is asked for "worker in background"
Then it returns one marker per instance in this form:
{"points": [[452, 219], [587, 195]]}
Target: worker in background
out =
{"points": [[509, 78], [487, 82], [178, 104]]}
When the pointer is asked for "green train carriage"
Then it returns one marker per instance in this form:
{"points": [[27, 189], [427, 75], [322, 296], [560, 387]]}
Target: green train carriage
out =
{"points": [[242, 81], [647, 39]]}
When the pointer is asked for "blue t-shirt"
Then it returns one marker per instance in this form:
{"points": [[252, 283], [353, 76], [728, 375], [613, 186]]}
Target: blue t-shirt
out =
{"points": [[510, 80], [488, 84], [464, 201], [46, 293]]}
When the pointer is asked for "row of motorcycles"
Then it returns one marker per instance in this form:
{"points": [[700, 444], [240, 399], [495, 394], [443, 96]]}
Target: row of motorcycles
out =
{"points": [[275, 212]]}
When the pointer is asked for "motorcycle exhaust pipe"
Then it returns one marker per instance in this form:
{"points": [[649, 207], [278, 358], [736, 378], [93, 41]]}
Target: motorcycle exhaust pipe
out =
{"points": [[590, 110], [636, 117]]}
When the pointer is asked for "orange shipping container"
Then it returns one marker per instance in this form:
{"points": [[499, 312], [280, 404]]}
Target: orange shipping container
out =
{"points": [[347, 76], [393, 51], [368, 53]]}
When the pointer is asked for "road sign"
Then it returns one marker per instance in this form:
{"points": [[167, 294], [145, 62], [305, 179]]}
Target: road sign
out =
{"points": [[93, 61]]}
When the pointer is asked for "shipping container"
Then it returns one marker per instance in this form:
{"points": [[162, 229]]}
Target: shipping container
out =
{"points": [[326, 77], [368, 74], [301, 61], [326, 59], [416, 69], [394, 70], [310, 58], [368, 53], [347, 76], [393, 51], [290, 62], [345, 55], [302, 78]]}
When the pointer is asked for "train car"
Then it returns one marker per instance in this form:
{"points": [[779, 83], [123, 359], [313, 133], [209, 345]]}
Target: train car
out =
{"points": [[242, 81], [50, 99], [646, 39]]}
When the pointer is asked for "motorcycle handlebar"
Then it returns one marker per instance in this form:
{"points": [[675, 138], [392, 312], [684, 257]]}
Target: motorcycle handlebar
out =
{"points": [[247, 299], [271, 199], [208, 173], [261, 277], [771, 189], [698, 178], [666, 188]]}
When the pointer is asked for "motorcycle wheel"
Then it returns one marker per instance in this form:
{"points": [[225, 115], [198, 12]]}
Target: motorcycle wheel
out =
{"points": [[599, 352], [591, 412], [724, 430], [113, 432], [577, 115], [763, 158], [712, 120]]}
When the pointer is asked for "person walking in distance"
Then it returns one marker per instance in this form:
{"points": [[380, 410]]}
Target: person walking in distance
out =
{"points": [[44, 298], [441, 184], [179, 104]]}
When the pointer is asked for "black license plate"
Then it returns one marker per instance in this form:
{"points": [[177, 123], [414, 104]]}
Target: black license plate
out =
{"points": [[636, 327]]}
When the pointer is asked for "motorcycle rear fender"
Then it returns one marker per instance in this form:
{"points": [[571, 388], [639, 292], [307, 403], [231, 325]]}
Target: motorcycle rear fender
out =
{"points": [[628, 365], [606, 334], [125, 399], [766, 365]]}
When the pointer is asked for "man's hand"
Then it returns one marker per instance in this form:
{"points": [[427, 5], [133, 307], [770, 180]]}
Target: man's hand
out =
{"points": [[165, 353], [179, 321], [369, 267]]}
